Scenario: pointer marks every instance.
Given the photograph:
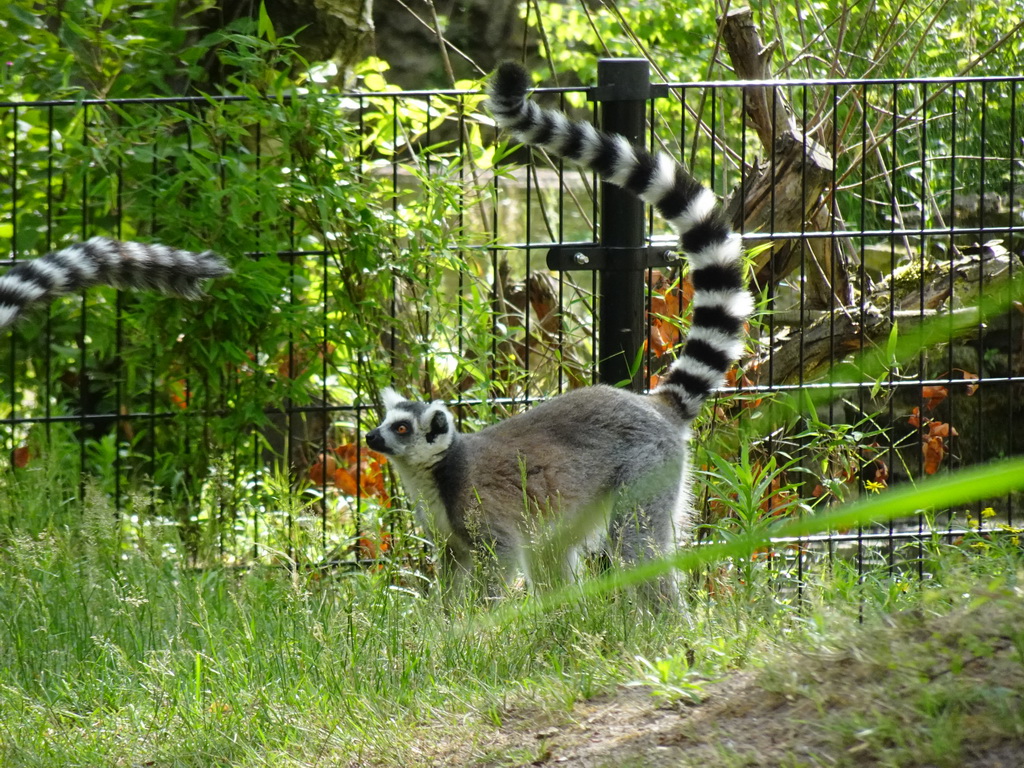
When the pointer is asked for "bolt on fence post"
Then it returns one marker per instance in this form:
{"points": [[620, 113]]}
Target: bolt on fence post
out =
{"points": [[623, 88]]}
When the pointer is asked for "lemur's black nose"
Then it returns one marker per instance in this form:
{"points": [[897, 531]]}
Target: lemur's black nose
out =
{"points": [[375, 441]]}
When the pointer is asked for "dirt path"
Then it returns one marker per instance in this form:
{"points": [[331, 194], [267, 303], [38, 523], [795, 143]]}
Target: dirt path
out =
{"points": [[935, 691], [738, 724]]}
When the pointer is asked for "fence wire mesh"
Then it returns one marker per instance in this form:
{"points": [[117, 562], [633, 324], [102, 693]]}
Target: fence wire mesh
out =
{"points": [[384, 238]]}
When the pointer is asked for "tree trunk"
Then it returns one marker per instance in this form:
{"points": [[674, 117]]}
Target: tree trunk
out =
{"points": [[787, 193], [325, 30], [478, 34]]}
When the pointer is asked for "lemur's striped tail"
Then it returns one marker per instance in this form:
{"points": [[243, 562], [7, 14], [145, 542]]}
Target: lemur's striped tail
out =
{"points": [[721, 301], [101, 261]]}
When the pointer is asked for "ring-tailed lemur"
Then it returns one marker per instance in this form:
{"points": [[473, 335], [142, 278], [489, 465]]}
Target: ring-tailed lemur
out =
{"points": [[596, 448], [101, 261]]}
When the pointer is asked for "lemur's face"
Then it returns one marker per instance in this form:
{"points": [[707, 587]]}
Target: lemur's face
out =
{"points": [[413, 433]]}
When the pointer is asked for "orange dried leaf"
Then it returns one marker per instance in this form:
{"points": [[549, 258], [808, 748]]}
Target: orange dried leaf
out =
{"points": [[941, 429], [21, 456], [686, 293], [372, 546], [659, 344], [179, 393], [347, 453], [847, 470], [933, 395], [658, 305], [372, 482], [360, 471], [933, 448], [914, 419], [323, 469], [968, 376], [346, 481]]}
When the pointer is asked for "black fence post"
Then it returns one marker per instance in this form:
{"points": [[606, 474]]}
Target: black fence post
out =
{"points": [[623, 88]]}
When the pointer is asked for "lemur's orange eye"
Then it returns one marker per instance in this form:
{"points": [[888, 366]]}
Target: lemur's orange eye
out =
{"points": [[401, 428]]}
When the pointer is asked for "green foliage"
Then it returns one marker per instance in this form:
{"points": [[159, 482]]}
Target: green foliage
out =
{"points": [[335, 216], [107, 49], [894, 39], [677, 37], [362, 237], [359, 229], [882, 40], [362, 230], [919, 147], [672, 679], [115, 649]]}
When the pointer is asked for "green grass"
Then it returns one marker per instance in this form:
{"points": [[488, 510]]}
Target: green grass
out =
{"points": [[112, 654], [113, 651], [938, 684]]}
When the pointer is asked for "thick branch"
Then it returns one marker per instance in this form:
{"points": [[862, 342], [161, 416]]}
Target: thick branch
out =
{"points": [[786, 193], [767, 107], [818, 339]]}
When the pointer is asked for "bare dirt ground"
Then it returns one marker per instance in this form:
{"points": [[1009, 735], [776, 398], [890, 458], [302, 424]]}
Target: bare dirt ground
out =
{"points": [[921, 690], [738, 724]]}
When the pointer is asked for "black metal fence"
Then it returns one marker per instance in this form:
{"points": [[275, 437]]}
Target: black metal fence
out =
{"points": [[379, 238]]}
